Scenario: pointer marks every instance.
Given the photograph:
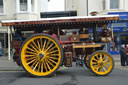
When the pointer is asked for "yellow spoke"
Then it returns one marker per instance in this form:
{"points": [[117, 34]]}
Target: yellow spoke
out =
{"points": [[96, 67], [35, 44], [35, 66], [105, 61], [39, 67], [106, 66], [42, 67], [47, 44], [41, 42], [29, 55], [101, 58], [94, 62], [53, 58], [30, 58], [31, 61], [34, 48], [52, 48], [50, 63], [30, 49], [53, 54], [53, 51], [96, 56], [45, 66], [34, 63], [104, 69], [49, 47], [39, 45], [31, 52], [44, 45], [100, 69], [48, 66], [95, 59]]}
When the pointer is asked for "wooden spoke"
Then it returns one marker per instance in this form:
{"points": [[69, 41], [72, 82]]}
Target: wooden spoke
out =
{"points": [[41, 67], [29, 55], [94, 62], [35, 45], [45, 65], [30, 49], [41, 42], [33, 64], [54, 58], [44, 45], [95, 59], [36, 66], [34, 48], [39, 45], [49, 47], [53, 54], [47, 44], [31, 61], [53, 51], [50, 63], [31, 52], [104, 69], [30, 58], [52, 48]]}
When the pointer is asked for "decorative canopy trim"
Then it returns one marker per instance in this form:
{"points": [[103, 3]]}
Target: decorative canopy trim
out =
{"points": [[61, 20]]}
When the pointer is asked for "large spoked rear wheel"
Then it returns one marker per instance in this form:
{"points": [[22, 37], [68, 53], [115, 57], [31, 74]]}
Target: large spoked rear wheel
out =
{"points": [[41, 55], [101, 63], [86, 61]]}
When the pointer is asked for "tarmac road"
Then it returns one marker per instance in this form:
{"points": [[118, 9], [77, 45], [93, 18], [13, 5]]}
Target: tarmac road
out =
{"points": [[69, 76]]}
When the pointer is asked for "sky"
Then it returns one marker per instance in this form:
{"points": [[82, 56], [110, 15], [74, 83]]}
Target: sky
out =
{"points": [[56, 5]]}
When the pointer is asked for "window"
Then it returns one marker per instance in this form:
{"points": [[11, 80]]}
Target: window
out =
{"points": [[23, 5], [32, 6], [114, 4], [1, 6], [26, 6], [104, 4]]}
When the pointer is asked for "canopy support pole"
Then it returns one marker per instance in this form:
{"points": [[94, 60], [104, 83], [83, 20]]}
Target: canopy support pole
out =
{"points": [[9, 47]]}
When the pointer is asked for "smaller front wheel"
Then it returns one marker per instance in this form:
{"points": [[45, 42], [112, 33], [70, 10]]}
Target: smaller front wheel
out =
{"points": [[101, 63]]}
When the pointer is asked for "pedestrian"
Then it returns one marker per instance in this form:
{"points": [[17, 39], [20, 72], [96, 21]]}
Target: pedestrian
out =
{"points": [[123, 55], [127, 54]]}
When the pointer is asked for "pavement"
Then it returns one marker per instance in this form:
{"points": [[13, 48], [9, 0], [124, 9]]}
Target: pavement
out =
{"points": [[10, 65]]}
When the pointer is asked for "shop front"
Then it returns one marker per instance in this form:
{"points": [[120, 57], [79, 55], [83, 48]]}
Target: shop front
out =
{"points": [[120, 33]]}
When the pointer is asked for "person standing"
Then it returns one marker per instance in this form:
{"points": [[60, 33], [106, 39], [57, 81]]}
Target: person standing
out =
{"points": [[127, 54], [123, 55]]}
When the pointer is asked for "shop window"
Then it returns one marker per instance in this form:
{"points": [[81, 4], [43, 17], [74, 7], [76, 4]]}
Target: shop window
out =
{"points": [[1, 6], [115, 44], [23, 5], [119, 24], [114, 4]]}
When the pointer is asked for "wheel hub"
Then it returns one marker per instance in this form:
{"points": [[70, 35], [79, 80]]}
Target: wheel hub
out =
{"points": [[41, 55]]}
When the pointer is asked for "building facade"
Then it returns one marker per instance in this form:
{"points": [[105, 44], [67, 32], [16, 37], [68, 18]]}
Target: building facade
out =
{"points": [[18, 10], [85, 7]]}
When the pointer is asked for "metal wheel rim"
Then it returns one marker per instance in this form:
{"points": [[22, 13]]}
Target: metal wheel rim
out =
{"points": [[101, 63], [31, 55]]}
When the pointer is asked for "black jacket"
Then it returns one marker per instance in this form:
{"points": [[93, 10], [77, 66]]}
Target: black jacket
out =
{"points": [[123, 52]]}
